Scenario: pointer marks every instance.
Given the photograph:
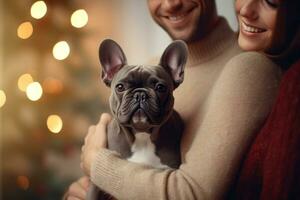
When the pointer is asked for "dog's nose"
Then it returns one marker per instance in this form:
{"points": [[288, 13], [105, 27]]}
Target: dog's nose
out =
{"points": [[140, 96]]}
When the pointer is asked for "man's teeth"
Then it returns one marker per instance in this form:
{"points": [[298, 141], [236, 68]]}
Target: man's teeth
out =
{"points": [[251, 29], [176, 18]]}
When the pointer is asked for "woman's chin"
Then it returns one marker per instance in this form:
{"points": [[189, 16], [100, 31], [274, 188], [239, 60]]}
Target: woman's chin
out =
{"points": [[249, 46]]}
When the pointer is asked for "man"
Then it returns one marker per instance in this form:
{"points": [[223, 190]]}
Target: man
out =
{"points": [[223, 100]]}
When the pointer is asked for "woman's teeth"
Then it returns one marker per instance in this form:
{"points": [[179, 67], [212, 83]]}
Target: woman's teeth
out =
{"points": [[251, 29]]}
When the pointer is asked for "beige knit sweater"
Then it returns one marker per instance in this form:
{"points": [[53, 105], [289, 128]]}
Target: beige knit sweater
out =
{"points": [[225, 97]]}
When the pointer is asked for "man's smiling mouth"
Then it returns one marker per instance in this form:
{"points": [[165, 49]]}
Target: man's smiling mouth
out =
{"points": [[179, 16], [176, 18]]}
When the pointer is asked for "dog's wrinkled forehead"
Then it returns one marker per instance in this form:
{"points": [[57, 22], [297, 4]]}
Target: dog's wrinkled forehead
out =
{"points": [[141, 73]]}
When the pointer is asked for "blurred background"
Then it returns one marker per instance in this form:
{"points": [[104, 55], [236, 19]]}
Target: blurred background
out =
{"points": [[50, 90]]}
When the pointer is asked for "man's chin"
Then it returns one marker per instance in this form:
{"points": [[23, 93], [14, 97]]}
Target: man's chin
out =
{"points": [[181, 35]]}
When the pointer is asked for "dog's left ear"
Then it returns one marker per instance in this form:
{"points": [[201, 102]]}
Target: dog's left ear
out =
{"points": [[112, 59], [174, 59]]}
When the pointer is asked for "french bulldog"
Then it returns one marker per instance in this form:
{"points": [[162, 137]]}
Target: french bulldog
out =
{"points": [[145, 128]]}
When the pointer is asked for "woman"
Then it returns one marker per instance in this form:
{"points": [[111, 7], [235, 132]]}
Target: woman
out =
{"points": [[270, 26], [271, 167]]}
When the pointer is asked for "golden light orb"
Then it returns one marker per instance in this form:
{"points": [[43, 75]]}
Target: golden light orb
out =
{"points": [[23, 182], [23, 81], [34, 91], [2, 98], [54, 123], [38, 9], [52, 86], [61, 50], [79, 18], [25, 30]]}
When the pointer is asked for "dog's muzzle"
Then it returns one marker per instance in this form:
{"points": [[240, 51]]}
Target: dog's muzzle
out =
{"points": [[139, 118]]}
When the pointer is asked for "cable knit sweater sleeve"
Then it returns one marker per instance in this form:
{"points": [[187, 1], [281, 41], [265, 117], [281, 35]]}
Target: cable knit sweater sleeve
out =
{"points": [[235, 108]]}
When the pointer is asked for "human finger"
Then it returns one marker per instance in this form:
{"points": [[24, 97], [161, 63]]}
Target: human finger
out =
{"points": [[105, 118], [101, 130], [76, 190], [84, 182], [91, 131]]}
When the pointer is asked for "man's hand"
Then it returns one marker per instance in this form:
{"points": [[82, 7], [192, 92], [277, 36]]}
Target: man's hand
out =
{"points": [[95, 140], [78, 189]]}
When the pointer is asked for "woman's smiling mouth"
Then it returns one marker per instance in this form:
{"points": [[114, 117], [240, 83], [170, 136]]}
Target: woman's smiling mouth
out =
{"points": [[251, 29]]}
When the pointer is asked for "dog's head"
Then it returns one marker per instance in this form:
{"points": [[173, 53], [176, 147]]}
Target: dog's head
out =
{"points": [[142, 96]]}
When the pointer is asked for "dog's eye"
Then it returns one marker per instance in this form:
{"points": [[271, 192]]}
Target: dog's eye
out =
{"points": [[120, 87], [160, 88]]}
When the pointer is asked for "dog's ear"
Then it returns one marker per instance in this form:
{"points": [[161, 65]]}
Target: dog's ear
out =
{"points": [[174, 59], [112, 59]]}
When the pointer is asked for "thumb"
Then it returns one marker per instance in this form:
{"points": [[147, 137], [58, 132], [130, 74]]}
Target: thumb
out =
{"points": [[101, 129], [105, 119]]}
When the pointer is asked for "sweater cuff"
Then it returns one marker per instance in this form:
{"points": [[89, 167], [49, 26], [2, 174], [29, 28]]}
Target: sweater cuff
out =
{"points": [[104, 173]]}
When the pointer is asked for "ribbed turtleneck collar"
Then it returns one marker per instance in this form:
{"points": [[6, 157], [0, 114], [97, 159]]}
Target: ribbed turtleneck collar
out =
{"points": [[212, 45]]}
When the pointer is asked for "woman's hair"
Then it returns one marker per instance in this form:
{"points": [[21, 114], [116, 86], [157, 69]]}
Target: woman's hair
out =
{"points": [[287, 34]]}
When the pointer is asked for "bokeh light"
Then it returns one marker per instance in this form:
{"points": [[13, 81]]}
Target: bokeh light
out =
{"points": [[23, 81], [61, 50], [25, 30], [2, 98], [54, 123], [23, 182], [38, 9], [52, 86], [34, 91], [79, 18]]}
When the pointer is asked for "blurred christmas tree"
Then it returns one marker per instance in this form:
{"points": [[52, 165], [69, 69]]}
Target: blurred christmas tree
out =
{"points": [[53, 94]]}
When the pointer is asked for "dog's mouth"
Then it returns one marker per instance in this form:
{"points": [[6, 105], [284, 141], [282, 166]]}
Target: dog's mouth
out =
{"points": [[140, 120]]}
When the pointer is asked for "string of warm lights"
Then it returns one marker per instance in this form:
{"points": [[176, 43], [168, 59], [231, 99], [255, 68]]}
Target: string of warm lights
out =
{"points": [[60, 51], [32, 88]]}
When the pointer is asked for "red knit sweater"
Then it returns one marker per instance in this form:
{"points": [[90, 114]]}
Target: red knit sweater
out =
{"points": [[271, 169]]}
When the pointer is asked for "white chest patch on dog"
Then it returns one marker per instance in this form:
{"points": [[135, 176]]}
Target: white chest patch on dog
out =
{"points": [[143, 151]]}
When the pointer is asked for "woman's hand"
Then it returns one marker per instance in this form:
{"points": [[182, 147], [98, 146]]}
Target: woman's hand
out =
{"points": [[95, 140], [78, 189]]}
